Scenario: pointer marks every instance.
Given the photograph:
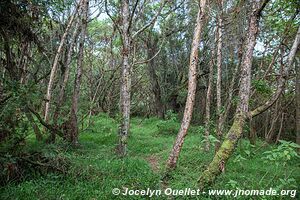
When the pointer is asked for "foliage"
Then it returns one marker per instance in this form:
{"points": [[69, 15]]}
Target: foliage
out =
{"points": [[211, 139], [284, 153], [262, 87]]}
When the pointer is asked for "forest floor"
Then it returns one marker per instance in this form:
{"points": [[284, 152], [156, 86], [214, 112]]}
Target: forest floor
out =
{"points": [[95, 170]]}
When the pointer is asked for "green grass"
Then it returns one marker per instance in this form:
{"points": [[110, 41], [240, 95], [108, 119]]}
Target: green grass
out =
{"points": [[95, 170]]}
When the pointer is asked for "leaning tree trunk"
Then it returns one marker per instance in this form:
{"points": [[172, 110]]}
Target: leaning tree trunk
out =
{"points": [[74, 108], [282, 79], [55, 64], [172, 161], [65, 76], [222, 155], [125, 82]]}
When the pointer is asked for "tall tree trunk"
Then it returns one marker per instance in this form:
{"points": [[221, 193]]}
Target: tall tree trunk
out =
{"points": [[228, 104], [222, 155], [173, 157], [74, 109], [208, 99], [125, 82], [55, 64], [151, 51], [219, 76]]}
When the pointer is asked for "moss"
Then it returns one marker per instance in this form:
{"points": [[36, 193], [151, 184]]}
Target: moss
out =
{"points": [[223, 154]]}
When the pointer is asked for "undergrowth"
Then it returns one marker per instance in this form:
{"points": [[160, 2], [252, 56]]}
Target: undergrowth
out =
{"points": [[94, 170]]}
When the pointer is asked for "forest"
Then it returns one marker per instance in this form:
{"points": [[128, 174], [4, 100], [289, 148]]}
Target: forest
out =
{"points": [[149, 99]]}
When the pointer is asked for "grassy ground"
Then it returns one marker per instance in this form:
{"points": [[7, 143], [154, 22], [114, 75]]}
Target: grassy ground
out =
{"points": [[95, 170]]}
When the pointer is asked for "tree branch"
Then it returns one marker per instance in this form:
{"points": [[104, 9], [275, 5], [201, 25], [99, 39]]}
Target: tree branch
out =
{"points": [[152, 21]]}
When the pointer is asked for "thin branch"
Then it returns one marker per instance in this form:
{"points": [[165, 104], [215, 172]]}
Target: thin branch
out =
{"points": [[148, 60], [132, 14], [112, 19], [152, 21]]}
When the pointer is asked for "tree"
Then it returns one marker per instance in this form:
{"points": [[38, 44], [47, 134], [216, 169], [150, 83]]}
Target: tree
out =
{"points": [[125, 89], [55, 64], [282, 79], [208, 100], [151, 53], [224, 152], [298, 103], [219, 73], [74, 108], [188, 111]]}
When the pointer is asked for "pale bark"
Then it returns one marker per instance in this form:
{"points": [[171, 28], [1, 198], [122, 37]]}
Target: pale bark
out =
{"points": [[77, 82], [235, 132], [127, 38], [173, 157], [125, 81], [66, 74], [55, 64]]}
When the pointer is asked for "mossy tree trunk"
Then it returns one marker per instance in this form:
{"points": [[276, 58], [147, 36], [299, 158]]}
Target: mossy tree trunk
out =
{"points": [[217, 166], [219, 75]]}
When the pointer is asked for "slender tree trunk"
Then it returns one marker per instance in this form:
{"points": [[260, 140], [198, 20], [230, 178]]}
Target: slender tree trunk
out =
{"points": [[208, 100], [151, 51], [228, 104], [55, 64], [125, 82], [173, 157], [222, 155], [298, 103], [77, 82], [65, 79], [219, 77]]}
